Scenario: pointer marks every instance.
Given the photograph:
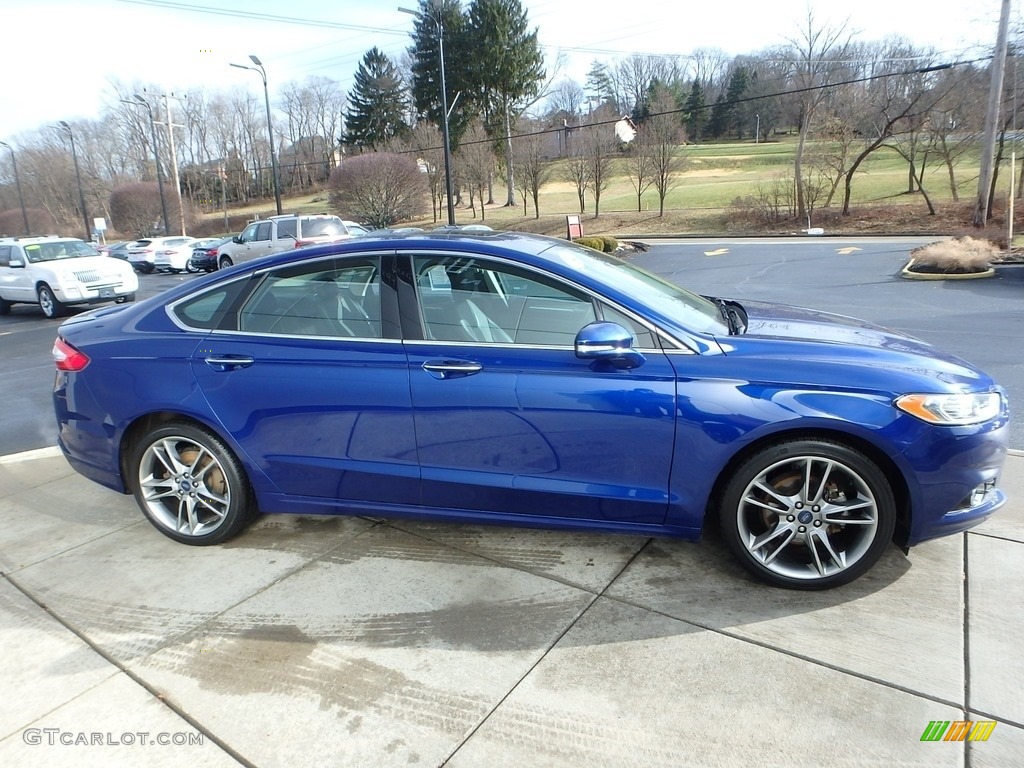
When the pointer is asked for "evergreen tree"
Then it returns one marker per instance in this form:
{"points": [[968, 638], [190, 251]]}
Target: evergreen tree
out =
{"points": [[736, 118], [426, 70], [695, 113], [377, 103], [507, 68]]}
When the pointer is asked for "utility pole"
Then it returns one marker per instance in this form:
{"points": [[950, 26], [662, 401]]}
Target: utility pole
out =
{"points": [[171, 125], [995, 92]]}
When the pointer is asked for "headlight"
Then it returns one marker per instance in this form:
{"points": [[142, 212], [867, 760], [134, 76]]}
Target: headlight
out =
{"points": [[72, 292], [952, 410]]}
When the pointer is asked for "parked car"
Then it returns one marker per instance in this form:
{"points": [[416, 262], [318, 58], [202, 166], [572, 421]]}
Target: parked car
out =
{"points": [[205, 254], [118, 250], [142, 254], [524, 380], [57, 272], [174, 255], [281, 233], [355, 229]]}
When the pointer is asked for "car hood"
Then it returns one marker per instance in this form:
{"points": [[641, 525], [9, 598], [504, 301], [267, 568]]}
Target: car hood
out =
{"points": [[845, 346]]}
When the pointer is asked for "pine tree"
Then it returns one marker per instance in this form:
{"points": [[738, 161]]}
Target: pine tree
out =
{"points": [[695, 112], [377, 104], [507, 69]]}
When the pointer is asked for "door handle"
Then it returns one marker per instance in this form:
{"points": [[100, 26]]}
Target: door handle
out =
{"points": [[451, 369], [229, 362]]}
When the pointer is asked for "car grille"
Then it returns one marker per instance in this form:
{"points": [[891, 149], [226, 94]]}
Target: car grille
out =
{"points": [[93, 278]]}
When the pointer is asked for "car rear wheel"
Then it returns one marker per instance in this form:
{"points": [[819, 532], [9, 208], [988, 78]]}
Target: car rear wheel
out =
{"points": [[190, 267], [190, 485], [5, 307], [224, 263], [808, 514], [50, 304]]}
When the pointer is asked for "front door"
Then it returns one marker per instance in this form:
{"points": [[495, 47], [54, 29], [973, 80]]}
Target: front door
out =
{"points": [[509, 420]]}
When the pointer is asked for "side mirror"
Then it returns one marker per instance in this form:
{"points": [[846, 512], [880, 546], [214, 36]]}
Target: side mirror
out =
{"points": [[16, 263], [610, 343], [237, 239]]}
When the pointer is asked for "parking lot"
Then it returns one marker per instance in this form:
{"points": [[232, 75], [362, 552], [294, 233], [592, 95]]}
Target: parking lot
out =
{"points": [[359, 641]]}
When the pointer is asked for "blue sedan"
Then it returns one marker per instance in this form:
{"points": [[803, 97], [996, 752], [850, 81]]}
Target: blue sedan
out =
{"points": [[525, 380]]}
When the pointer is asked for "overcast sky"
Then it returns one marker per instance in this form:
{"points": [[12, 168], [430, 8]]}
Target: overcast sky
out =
{"points": [[59, 57]]}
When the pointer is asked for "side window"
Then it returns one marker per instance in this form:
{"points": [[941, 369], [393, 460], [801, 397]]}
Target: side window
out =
{"points": [[474, 300], [334, 297], [249, 233], [286, 229], [263, 230], [642, 338], [210, 310], [5, 255]]}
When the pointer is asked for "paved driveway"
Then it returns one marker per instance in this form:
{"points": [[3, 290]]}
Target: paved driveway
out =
{"points": [[354, 642]]}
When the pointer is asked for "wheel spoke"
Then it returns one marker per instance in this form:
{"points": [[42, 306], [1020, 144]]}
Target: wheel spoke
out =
{"points": [[757, 544], [754, 501], [784, 500], [818, 536], [822, 484], [833, 513]]}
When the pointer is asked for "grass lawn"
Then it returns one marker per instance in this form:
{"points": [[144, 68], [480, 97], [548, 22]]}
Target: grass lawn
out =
{"points": [[704, 198]]}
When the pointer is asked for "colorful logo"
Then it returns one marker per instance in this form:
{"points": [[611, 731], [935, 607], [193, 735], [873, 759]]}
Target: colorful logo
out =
{"points": [[958, 730]]}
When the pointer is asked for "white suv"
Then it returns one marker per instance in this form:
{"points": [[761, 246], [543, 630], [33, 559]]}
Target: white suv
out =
{"points": [[54, 272], [281, 233]]}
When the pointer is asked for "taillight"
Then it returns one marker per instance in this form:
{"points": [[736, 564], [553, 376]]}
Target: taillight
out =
{"points": [[303, 243], [67, 357], [212, 252]]}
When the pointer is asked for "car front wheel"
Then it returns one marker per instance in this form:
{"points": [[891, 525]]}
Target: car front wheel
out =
{"points": [[224, 263], [190, 485], [52, 306], [808, 514]]}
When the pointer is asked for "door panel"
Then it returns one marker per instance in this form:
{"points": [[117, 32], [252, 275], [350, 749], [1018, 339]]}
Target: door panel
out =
{"points": [[532, 429], [308, 389]]}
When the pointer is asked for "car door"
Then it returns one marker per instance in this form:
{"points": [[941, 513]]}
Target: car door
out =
{"points": [[307, 382], [509, 420], [17, 283]]}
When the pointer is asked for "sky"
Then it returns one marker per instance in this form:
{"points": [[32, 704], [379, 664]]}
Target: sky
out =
{"points": [[59, 57]]}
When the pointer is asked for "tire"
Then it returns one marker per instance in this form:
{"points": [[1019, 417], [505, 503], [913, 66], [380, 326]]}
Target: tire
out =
{"points": [[52, 306], [224, 263], [808, 514], [128, 298], [190, 268], [190, 486], [5, 307]]}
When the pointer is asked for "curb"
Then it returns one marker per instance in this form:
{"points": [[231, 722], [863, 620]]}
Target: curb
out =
{"points": [[906, 273], [39, 453]]}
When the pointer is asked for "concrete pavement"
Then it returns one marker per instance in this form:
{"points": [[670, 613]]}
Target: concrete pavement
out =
{"points": [[353, 642]]}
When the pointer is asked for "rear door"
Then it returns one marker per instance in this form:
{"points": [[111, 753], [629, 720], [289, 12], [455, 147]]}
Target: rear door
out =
{"points": [[509, 420], [311, 384]]}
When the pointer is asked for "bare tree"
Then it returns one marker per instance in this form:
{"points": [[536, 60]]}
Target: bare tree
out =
{"points": [[577, 166], [566, 97], [475, 158], [534, 168], [379, 188], [662, 140], [817, 49], [600, 147]]}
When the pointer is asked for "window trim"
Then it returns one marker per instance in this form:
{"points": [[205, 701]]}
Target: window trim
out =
{"points": [[657, 333]]}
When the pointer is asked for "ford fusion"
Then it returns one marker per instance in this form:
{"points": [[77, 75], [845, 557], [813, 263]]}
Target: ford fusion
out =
{"points": [[523, 380]]}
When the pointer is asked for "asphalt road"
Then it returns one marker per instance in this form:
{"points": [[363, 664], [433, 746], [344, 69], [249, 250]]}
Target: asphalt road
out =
{"points": [[980, 320]]}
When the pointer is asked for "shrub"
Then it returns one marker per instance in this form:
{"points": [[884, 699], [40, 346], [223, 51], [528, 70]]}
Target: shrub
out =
{"points": [[590, 242], [961, 254], [379, 188], [608, 243]]}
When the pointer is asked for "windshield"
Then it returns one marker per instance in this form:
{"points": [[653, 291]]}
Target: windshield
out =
{"points": [[320, 227], [688, 309], [62, 249]]}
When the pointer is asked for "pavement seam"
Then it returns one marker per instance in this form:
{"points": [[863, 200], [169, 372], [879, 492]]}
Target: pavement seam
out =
{"points": [[966, 628], [543, 655], [160, 696]]}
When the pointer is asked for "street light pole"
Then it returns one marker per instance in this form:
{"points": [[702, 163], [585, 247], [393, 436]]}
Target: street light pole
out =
{"points": [[444, 107], [78, 177], [270, 126], [156, 157], [17, 183]]}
